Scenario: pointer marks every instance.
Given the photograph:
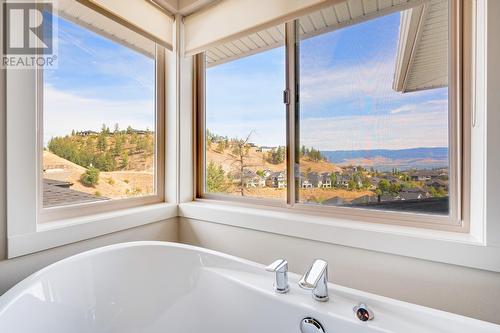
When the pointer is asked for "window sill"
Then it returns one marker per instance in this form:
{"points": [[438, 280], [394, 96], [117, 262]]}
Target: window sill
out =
{"points": [[441, 246], [62, 232]]}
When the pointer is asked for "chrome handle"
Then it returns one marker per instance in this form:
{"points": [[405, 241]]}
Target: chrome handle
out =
{"points": [[280, 267], [316, 279], [313, 275]]}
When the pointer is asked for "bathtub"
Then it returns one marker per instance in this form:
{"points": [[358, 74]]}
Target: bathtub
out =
{"points": [[157, 287]]}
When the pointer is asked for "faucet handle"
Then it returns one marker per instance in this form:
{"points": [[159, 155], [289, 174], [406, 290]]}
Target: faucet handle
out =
{"points": [[280, 267], [313, 275], [316, 279]]}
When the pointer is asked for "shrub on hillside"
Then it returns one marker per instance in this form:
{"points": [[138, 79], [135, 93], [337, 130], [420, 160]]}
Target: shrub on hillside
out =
{"points": [[90, 177]]}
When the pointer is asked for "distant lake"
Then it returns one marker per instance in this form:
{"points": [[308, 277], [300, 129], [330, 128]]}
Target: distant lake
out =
{"points": [[387, 159]]}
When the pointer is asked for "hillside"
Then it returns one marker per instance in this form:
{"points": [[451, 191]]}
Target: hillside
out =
{"points": [[125, 160], [106, 151], [256, 161], [113, 185]]}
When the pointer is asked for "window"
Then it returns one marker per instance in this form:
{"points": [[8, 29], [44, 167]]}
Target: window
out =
{"points": [[245, 119], [102, 126], [375, 127], [374, 111]]}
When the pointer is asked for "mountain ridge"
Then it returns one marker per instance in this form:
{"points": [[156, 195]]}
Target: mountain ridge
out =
{"points": [[384, 159]]}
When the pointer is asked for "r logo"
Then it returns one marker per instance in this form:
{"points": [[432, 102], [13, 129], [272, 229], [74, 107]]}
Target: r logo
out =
{"points": [[28, 28]]}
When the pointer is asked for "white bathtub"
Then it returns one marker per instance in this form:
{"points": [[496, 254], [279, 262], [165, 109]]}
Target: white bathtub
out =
{"points": [[161, 287]]}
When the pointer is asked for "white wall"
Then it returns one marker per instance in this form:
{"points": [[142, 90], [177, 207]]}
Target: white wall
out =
{"points": [[469, 292]]}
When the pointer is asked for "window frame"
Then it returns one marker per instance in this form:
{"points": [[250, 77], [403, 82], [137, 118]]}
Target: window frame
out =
{"points": [[49, 214], [460, 108], [27, 230]]}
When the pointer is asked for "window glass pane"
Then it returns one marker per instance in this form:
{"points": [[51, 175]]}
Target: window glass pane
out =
{"points": [[98, 114], [245, 117], [374, 109]]}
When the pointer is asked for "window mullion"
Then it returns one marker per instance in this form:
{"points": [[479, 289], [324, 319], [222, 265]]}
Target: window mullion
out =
{"points": [[291, 111]]}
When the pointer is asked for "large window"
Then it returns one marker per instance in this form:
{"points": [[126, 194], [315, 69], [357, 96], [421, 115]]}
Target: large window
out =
{"points": [[101, 120], [373, 113]]}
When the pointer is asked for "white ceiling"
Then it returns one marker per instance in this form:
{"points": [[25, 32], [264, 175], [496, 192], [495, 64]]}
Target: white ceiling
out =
{"points": [[184, 7]]}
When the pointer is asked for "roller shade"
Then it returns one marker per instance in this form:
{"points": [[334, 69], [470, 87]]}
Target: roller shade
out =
{"points": [[141, 16], [230, 19]]}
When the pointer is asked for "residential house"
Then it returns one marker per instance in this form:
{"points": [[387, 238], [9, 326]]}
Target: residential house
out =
{"points": [[251, 180], [276, 180], [304, 182], [437, 184], [325, 180], [265, 149]]}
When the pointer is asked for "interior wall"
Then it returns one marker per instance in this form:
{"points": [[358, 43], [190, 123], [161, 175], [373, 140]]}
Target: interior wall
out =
{"points": [[469, 292]]}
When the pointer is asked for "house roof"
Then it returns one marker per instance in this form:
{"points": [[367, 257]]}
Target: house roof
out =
{"points": [[86, 17], [410, 195], [55, 194], [422, 58], [334, 201]]}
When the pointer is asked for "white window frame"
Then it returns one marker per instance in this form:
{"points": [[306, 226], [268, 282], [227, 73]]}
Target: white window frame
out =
{"points": [[456, 220], [477, 247], [32, 228]]}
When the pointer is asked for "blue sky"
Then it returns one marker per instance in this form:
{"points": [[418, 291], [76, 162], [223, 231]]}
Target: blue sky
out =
{"points": [[97, 81], [347, 101]]}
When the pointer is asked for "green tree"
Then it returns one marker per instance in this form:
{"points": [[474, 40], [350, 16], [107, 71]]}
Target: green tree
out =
{"points": [[384, 185], [102, 143], [142, 144], [395, 188], [333, 178], [90, 177], [216, 182], [220, 147], [119, 142], [276, 156], [105, 129], [124, 164]]}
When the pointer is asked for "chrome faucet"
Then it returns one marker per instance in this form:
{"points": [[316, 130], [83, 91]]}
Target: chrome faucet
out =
{"points": [[316, 279], [280, 267]]}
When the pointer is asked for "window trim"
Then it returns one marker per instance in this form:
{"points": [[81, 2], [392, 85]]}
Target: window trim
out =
{"points": [[64, 212], [25, 233], [458, 220]]}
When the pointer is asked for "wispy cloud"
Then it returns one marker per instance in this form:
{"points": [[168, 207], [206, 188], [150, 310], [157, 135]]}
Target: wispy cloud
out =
{"points": [[66, 111], [428, 106], [396, 131]]}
